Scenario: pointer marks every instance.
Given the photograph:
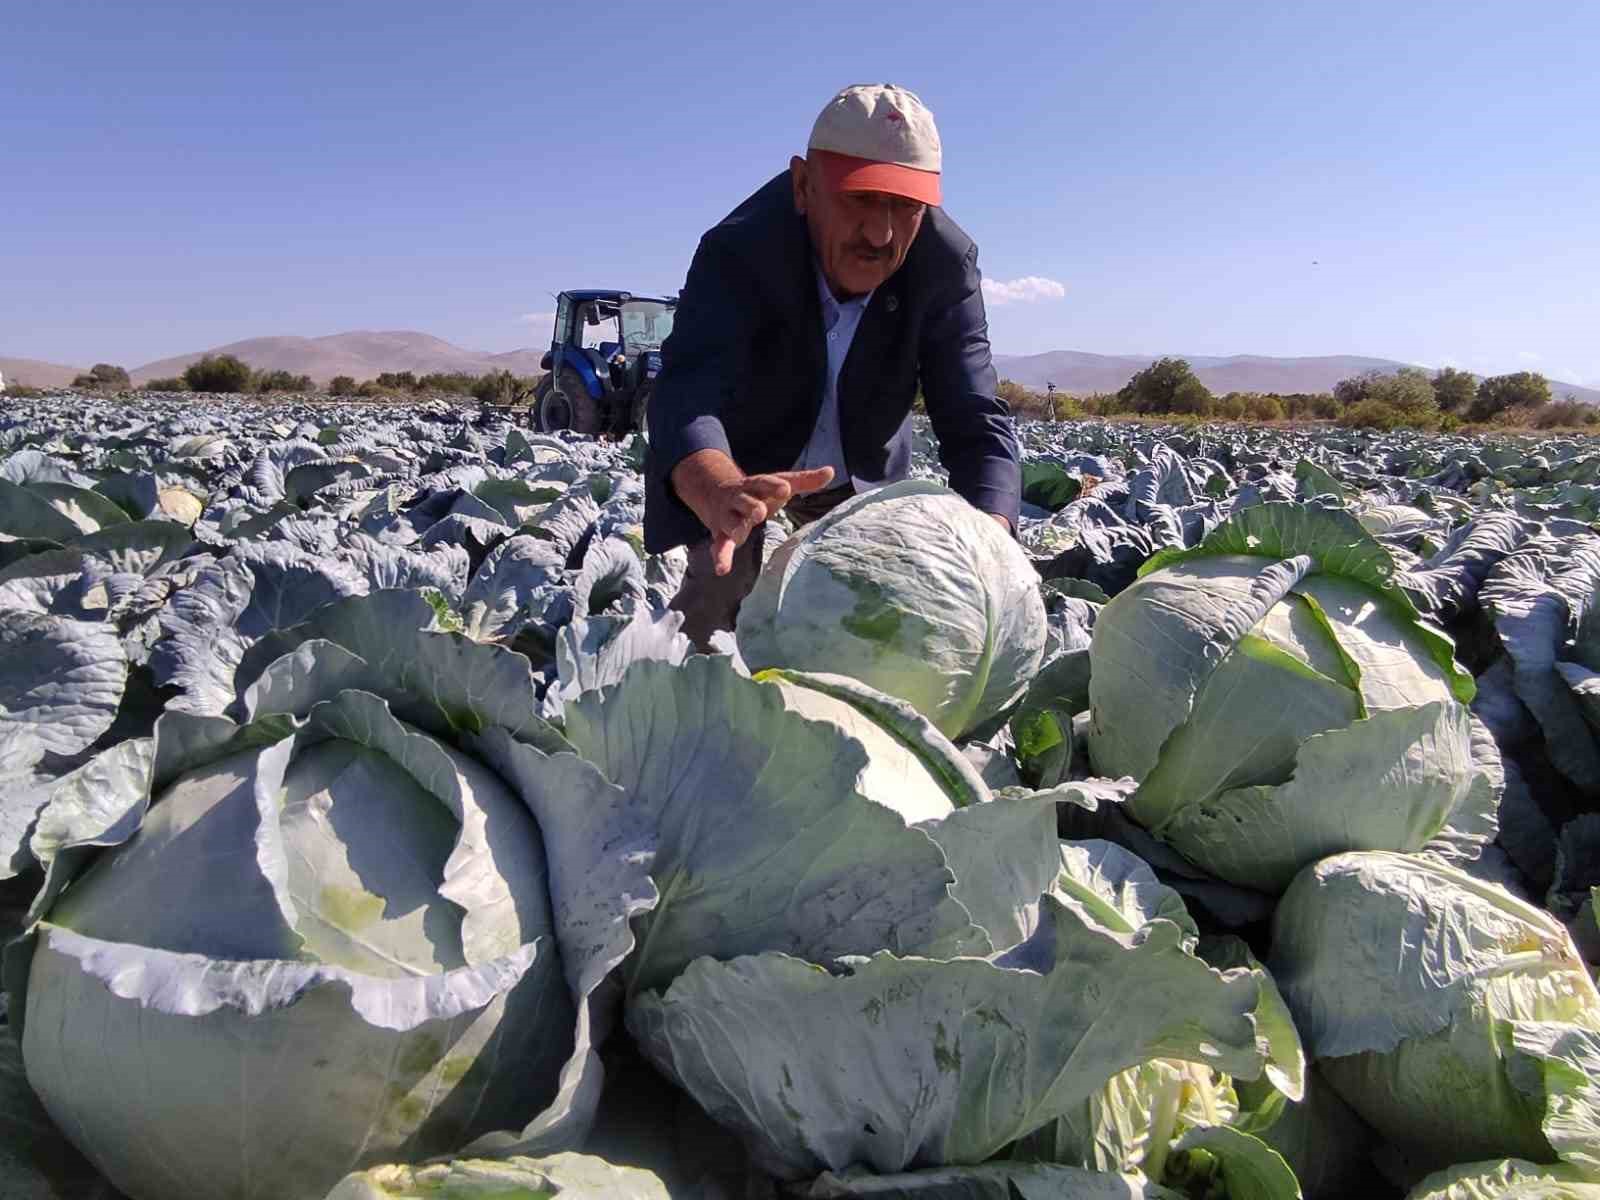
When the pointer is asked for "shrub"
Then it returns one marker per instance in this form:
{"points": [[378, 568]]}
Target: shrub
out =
{"points": [[1408, 395], [282, 381], [502, 387], [1372, 414], [1454, 390], [1023, 402], [1569, 413], [1499, 394], [103, 375], [217, 373], [1311, 406], [1230, 407], [1067, 408], [1263, 408], [341, 385], [454, 383], [167, 383]]}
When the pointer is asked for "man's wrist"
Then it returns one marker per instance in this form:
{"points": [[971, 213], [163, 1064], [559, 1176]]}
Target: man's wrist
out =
{"points": [[698, 475]]}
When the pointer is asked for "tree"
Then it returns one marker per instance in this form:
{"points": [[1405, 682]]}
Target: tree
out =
{"points": [[1519, 394], [103, 375], [1168, 385], [1454, 390], [341, 385], [217, 373], [1355, 389]]}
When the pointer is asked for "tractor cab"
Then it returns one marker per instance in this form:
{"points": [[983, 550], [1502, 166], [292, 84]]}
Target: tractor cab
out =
{"points": [[604, 356]]}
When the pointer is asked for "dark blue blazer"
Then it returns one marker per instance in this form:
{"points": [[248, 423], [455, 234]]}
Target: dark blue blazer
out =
{"points": [[743, 370]]}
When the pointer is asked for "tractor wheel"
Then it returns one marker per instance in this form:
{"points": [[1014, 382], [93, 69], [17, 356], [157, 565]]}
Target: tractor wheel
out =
{"points": [[565, 405]]}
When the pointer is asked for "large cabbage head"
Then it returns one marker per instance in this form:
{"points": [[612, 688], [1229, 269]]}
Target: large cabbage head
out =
{"points": [[1279, 699], [911, 590], [271, 952], [1457, 1020]]}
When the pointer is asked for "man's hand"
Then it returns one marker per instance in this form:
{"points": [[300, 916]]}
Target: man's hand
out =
{"points": [[1004, 522], [731, 504]]}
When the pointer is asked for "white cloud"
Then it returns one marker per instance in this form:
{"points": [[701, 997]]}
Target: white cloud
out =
{"points": [[1027, 290], [1529, 356], [538, 318]]}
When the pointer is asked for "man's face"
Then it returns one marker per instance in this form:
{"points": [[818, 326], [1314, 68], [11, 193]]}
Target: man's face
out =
{"points": [[861, 238]]}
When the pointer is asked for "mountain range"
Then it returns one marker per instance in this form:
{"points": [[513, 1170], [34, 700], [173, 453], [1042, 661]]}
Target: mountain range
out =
{"points": [[363, 355]]}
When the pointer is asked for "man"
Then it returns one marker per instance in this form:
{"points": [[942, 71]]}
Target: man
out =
{"points": [[809, 318]]}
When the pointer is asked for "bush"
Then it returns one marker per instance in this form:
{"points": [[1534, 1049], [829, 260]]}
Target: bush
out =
{"points": [[454, 383], [103, 375], [167, 383], [1067, 408], [1230, 407], [282, 381], [1258, 407], [1499, 395], [502, 387], [1408, 395], [1024, 402], [341, 385], [397, 381], [1372, 414], [1101, 404], [217, 373], [1310, 406], [1568, 413], [1454, 390]]}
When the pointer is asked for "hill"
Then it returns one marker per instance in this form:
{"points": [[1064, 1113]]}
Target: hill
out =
{"points": [[30, 372], [366, 354], [360, 355], [1079, 373]]}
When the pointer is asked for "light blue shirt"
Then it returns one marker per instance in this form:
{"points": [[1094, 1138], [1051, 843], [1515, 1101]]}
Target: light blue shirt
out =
{"points": [[840, 319]]}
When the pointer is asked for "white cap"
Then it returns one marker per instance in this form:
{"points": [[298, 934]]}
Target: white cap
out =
{"points": [[890, 135]]}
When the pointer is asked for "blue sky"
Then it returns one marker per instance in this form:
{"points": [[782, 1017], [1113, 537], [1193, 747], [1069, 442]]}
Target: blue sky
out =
{"points": [[1414, 180]]}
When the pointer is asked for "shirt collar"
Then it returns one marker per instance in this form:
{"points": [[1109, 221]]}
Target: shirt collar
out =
{"points": [[826, 293]]}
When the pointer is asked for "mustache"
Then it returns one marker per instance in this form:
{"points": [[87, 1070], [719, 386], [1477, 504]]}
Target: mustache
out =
{"points": [[865, 250]]}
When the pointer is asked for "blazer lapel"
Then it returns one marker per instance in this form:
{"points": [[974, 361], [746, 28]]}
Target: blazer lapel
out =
{"points": [[879, 327]]}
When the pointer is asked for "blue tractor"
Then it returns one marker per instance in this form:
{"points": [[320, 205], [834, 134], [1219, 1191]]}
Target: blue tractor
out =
{"points": [[604, 357]]}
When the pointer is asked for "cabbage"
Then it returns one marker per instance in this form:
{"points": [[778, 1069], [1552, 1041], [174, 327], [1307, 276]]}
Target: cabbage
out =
{"points": [[911, 590], [1455, 1019], [898, 1062], [514, 1178], [1510, 1179], [1279, 699], [305, 942]]}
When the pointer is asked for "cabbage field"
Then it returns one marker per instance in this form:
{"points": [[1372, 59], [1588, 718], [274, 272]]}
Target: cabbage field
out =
{"points": [[369, 829]]}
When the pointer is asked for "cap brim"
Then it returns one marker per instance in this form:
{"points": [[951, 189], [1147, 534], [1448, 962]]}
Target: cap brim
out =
{"points": [[842, 173]]}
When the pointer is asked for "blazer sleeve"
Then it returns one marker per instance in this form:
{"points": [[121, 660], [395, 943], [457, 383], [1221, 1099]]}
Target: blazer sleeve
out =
{"points": [[976, 442], [704, 359]]}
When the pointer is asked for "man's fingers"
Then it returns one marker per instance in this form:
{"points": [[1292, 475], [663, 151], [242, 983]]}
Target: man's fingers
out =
{"points": [[722, 554], [802, 482]]}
